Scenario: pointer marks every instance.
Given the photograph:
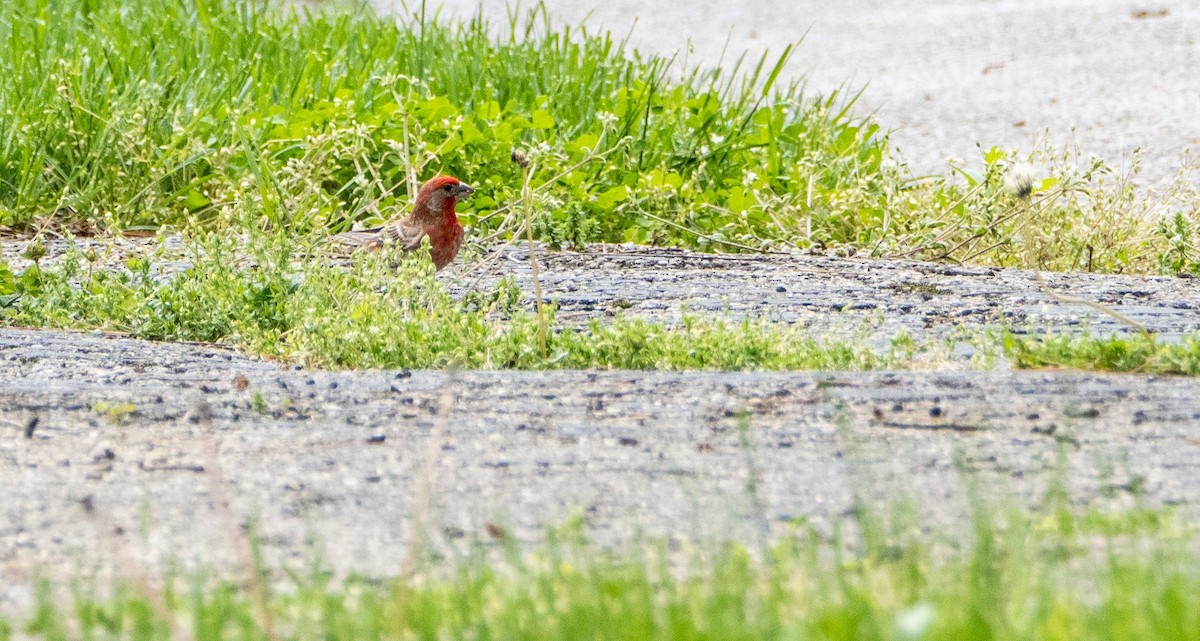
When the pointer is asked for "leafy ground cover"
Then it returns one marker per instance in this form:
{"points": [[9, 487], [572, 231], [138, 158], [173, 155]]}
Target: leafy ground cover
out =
{"points": [[387, 309], [1140, 353], [146, 113], [280, 297]]}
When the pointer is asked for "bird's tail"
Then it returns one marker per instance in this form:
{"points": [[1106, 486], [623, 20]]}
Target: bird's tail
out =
{"points": [[370, 238]]}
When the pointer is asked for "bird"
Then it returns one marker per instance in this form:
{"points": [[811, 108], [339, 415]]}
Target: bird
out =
{"points": [[432, 216]]}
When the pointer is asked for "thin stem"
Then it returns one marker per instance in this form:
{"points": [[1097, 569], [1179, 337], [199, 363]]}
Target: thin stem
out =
{"points": [[527, 204]]}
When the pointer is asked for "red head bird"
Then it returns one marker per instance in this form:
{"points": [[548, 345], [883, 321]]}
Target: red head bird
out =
{"points": [[433, 216]]}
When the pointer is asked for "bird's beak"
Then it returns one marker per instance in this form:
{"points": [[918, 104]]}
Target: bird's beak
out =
{"points": [[462, 190]]}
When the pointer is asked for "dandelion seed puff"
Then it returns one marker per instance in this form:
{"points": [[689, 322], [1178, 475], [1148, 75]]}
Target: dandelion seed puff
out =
{"points": [[1019, 179]]}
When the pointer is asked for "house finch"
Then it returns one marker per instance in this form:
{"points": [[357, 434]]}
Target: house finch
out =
{"points": [[432, 216]]}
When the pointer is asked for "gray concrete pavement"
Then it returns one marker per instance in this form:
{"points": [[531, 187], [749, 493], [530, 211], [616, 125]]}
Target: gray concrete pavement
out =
{"points": [[334, 466]]}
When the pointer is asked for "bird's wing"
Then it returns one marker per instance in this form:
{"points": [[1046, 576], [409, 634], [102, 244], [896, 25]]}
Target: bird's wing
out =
{"points": [[405, 233]]}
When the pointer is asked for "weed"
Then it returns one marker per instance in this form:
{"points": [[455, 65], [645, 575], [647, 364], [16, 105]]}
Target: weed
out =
{"points": [[259, 404], [1139, 352], [1076, 215], [115, 412], [287, 116]]}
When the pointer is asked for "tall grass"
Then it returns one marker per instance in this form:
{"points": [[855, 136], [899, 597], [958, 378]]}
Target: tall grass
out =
{"points": [[145, 112]]}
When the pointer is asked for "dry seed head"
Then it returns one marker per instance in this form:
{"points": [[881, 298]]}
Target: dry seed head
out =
{"points": [[35, 250], [520, 158], [1019, 179]]}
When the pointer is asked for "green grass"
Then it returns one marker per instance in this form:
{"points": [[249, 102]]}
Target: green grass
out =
{"points": [[1017, 576], [141, 113], [153, 111], [1139, 352]]}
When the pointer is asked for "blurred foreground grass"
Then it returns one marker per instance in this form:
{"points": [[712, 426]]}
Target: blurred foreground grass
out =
{"points": [[1056, 576]]}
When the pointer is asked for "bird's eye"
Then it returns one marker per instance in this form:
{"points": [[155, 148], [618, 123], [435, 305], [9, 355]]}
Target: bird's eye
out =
{"points": [[446, 188]]}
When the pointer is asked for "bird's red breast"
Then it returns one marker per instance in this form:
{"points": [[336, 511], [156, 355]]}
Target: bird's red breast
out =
{"points": [[444, 242]]}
